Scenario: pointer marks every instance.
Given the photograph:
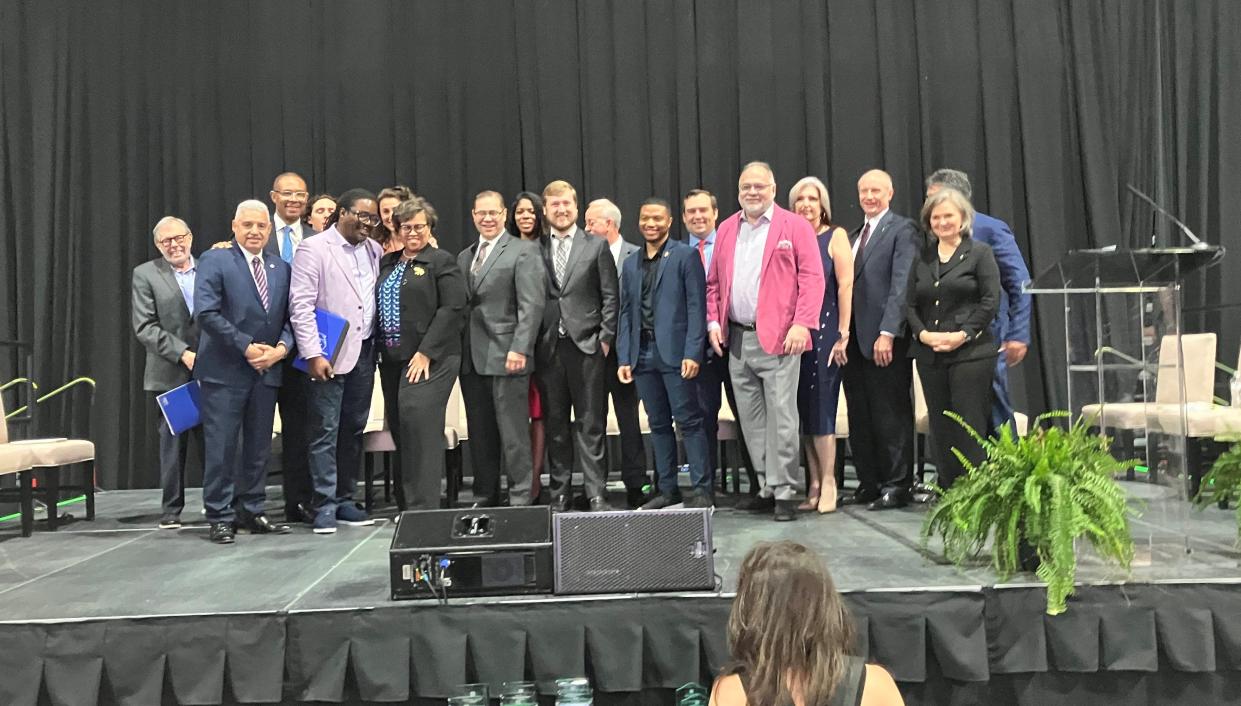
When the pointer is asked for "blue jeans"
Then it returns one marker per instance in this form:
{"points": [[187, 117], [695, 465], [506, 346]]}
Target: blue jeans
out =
{"points": [[337, 414], [667, 396]]}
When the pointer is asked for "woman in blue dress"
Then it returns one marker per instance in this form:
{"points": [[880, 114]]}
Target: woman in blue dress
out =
{"points": [[818, 388]]}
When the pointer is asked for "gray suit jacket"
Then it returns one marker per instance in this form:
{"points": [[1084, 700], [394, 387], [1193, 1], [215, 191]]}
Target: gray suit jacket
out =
{"points": [[627, 249], [162, 324], [505, 305], [587, 301]]}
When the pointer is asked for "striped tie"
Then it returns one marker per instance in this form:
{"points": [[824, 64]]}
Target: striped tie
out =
{"points": [[561, 258], [260, 280]]}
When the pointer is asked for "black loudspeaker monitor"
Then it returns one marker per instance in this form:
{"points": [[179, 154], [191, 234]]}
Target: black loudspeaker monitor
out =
{"points": [[477, 552], [633, 551]]}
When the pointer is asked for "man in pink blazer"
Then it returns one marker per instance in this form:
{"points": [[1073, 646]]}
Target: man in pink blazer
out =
{"points": [[336, 271], [764, 293]]}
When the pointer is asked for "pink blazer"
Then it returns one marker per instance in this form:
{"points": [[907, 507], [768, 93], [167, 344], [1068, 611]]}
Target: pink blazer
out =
{"points": [[790, 285], [323, 279]]}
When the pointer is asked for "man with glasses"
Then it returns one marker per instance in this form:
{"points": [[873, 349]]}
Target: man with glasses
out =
{"points": [[507, 290], [163, 320], [767, 328], [288, 195], [336, 271]]}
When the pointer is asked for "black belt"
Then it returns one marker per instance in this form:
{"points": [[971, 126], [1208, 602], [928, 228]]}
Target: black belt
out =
{"points": [[743, 327]]}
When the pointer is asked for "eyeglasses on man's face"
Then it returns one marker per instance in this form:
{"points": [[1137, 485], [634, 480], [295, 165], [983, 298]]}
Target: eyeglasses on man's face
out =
{"points": [[298, 195], [369, 219], [178, 239], [487, 214]]}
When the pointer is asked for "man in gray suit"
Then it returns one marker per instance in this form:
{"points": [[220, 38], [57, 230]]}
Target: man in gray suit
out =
{"points": [[507, 290], [603, 219], [579, 328], [163, 309]]}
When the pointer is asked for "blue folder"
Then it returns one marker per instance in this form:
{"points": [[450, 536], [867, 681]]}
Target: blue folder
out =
{"points": [[332, 330], [180, 407]]}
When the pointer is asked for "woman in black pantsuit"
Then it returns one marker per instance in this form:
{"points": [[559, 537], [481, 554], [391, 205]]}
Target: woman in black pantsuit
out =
{"points": [[954, 293], [421, 309]]}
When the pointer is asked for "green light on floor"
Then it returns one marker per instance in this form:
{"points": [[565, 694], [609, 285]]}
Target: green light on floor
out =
{"points": [[62, 503], [1142, 469]]}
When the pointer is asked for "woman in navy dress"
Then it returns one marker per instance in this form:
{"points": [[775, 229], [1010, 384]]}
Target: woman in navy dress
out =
{"points": [[818, 388]]}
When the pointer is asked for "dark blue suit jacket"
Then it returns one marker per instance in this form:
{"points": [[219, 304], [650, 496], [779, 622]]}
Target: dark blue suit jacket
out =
{"points": [[680, 306], [880, 278], [1012, 323], [231, 316]]}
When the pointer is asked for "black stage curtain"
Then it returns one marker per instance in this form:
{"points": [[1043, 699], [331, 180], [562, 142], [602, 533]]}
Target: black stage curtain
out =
{"points": [[113, 114]]}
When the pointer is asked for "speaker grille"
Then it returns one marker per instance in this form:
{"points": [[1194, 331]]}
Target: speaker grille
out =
{"points": [[624, 552]]}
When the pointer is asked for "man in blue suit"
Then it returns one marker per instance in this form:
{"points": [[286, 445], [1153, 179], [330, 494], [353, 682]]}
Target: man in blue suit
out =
{"points": [[240, 298], [1012, 325], [659, 343]]}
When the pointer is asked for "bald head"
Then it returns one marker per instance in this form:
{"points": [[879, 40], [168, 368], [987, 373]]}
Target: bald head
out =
{"points": [[874, 192]]}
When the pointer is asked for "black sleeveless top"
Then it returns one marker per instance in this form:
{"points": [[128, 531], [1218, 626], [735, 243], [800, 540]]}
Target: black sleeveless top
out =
{"points": [[848, 691]]}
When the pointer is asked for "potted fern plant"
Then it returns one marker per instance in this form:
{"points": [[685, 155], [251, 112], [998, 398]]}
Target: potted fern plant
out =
{"points": [[1222, 484], [1036, 494]]}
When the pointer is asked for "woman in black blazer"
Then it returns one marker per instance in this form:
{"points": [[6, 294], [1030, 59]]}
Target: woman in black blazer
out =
{"points": [[421, 309], [953, 295]]}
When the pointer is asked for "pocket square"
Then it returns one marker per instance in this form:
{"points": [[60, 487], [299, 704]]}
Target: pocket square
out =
{"points": [[784, 245]]}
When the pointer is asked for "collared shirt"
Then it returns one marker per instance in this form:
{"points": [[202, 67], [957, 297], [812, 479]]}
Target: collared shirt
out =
{"points": [[747, 266], [708, 250], [491, 246], [616, 251], [650, 267], [185, 280], [364, 276], [296, 235], [250, 258], [873, 223], [559, 241]]}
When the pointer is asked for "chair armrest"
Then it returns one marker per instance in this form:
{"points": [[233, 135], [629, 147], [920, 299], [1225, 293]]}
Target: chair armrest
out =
{"points": [[79, 383], [34, 386], [1225, 368]]}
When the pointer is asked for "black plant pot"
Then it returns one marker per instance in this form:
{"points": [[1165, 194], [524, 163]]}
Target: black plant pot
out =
{"points": [[1027, 556]]}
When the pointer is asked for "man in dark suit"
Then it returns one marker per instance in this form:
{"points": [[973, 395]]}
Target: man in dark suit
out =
{"points": [[240, 300], [507, 290], [163, 311], [879, 374], [603, 220], [662, 327], [579, 328], [1011, 327], [289, 197]]}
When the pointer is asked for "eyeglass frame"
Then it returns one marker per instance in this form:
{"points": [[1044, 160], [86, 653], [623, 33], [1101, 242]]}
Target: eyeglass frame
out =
{"points": [[180, 240], [413, 228], [302, 195], [371, 219]]}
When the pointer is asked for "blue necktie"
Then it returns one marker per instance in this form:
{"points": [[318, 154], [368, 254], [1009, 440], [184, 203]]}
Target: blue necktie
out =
{"points": [[286, 244]]}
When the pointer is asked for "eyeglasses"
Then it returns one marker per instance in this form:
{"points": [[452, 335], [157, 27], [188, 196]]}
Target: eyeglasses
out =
{"points": [[299, 195], [407, 228], [369, 219], [754, 187], [487, 214], [178, 239]]}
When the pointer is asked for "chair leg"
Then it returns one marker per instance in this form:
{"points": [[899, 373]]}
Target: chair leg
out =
{"points": [[89, 489], [841, 446], [368, 476], [387, 478], [51, 496], [25, 481], [453, 467], [1193, 463]]}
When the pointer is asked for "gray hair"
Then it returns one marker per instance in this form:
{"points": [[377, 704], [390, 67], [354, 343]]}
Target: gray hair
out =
{"points": [[167, 220], [958, 200], [765, 166], [610, 211], [952, 179], [249, 205], [824, 200]]}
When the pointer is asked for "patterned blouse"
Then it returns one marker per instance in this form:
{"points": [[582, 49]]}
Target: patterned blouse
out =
{"points": [[390, 305]]}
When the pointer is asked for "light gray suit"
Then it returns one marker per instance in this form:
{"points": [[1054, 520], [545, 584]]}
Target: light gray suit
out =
{"points": [[505, 308]]}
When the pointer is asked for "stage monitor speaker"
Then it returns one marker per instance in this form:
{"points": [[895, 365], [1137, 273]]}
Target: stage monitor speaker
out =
{"points": [[633, 551], [477, 552]]}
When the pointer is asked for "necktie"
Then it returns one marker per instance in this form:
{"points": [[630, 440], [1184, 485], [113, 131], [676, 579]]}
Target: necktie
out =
{"points": [[561, 259], [286, 244], [702, 252], [478, 259], [862, 241], [260, 280]]}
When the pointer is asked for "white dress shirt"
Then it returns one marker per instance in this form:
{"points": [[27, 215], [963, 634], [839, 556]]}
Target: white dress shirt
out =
{"points": [[747, 267], [295, 236], [874, 224]]}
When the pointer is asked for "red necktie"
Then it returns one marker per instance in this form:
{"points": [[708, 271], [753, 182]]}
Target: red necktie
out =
{"points": [[702, 252], [862, 243]]}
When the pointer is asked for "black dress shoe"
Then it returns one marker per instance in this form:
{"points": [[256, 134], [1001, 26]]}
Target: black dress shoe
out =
{"points": [[484, 502], [889, 500], [260, 524], [635, 498], [859, 497], [786, 510], [221, 532], [700, 500], [599, 504], [560, 503], [659, 502], [756, 503]]}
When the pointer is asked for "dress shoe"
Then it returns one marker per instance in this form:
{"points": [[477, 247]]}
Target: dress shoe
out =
{"points": [[599, 504], [484, 502], [170, 522], [353, 515], [786, 510], [756, 503], [560, 503], [700, 500], [259, 524], [858, 497], [635, 498], [659, 502], [889, 500], [221, 532]]}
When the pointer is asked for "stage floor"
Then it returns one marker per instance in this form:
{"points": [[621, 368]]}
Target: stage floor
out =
{"points": [[120, 565]]}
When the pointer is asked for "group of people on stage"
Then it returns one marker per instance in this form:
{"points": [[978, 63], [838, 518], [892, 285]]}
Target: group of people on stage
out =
{"points": [[542, 320]]}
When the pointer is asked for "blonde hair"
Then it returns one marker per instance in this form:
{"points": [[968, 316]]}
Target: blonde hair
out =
{"points": [[559, 188], [956, 199], [825, 201]]}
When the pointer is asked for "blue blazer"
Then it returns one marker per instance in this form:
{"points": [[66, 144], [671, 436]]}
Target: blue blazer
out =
{"points": [[1012, 323], [880, 278], [231, 316], [680, 306]]}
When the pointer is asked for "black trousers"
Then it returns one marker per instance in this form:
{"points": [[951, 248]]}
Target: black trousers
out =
{"points": [[712, 374], [415, 414], [625, 406], [173, 456], [294, 438], [966, 389], [881, 418], [574, 395]]}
